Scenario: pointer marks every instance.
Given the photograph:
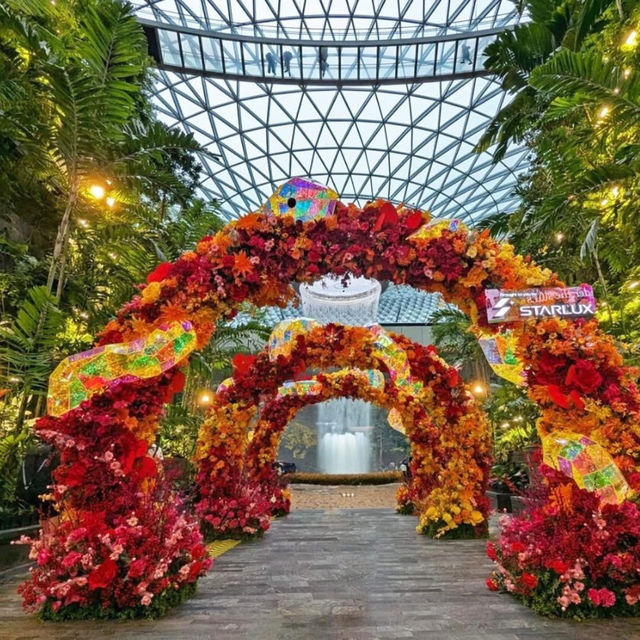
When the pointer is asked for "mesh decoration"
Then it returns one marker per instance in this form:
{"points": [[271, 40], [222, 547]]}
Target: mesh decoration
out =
{"points": [[82, 375], [282, 338], [500, 352], [589, 464], [303, 199]]}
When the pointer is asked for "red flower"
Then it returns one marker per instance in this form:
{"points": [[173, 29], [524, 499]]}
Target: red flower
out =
{"points": [[491, 551], [602, 597], [558, 566], [555, 393], [414, 220], [103, 574], [160, 272], [388, 217], [583, 376], [242, 363], [492, 585], [529, 580]]}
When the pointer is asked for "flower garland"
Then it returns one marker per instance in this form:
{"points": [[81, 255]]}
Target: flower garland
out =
{"points": [[573, 369], [448, 433]]}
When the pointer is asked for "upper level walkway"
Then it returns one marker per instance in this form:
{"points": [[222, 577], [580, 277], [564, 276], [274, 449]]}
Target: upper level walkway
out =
{"points": [[266, 58]]}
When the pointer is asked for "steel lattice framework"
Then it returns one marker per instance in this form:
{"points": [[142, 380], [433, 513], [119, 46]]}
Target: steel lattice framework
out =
{"points": [[408, 141]]}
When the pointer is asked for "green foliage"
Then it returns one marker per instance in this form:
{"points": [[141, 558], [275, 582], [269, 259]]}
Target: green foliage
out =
{"points": [[299, 438], [353, 479], [577, 107]]}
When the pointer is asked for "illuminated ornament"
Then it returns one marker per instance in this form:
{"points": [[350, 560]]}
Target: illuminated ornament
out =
{"points": [[303, 199], [375, 378], [225, 385], [300, 388], [435, 227], [395, 421], [82, 375], [500, 352], [392, 355], [282, 338], [589, 464]]}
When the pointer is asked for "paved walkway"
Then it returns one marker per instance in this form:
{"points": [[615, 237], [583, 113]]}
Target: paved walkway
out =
{"points": [[337, 574]]}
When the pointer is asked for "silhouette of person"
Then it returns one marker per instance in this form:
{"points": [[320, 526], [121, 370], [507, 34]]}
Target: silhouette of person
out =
{"points": [[286, 59], [466, 53], [323, 55], [271, 63]]}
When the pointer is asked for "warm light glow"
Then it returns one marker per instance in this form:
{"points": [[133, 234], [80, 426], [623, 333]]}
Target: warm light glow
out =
{"points": [[615, 190], [632, 39], [627, 73], [602, 114], [559, 237], [478, 389], [83, 223], [111, 201], [97, 191], [633, 284], [205, 398], [604, 202]]}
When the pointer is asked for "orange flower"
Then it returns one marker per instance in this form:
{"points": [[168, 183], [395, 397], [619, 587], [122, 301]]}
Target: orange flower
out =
{"points": [[242, 264]]}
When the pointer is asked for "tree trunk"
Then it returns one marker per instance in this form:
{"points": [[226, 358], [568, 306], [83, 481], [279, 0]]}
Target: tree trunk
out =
{"points": [[61, 236]]}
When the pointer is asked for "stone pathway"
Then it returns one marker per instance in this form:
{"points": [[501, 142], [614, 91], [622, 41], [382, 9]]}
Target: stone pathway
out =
{"points": [[337, 574]]}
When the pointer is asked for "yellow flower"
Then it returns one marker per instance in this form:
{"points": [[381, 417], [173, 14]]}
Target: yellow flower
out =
{"points": [[151, 292]]}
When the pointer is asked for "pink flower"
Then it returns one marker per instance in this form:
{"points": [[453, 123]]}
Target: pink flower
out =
{"points": [[602, 597]]}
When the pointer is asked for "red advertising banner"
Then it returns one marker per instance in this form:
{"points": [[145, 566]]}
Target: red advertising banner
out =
{"points": [[560, 302]]}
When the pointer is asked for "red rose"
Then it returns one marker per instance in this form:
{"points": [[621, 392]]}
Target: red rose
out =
{"points": [[529, 580], [583, 376], [103, 574], [548, 368]]}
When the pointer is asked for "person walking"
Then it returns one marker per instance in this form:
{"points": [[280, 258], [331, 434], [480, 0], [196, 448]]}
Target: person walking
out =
{"points": [[323, 56], [286, 59], [466, 53], [271, 63]]}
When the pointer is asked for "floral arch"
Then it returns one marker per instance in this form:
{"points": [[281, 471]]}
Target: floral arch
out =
{"points": [[448, 433], [123, 543]]}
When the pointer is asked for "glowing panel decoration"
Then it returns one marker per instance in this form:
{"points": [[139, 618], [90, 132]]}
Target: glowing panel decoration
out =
{"points": [[303, 199], [392, 355], [282, 338], [82, 375], [395, 420], [500, 352], [435, 227], [225, 385], [300, 388], [587, 463]]}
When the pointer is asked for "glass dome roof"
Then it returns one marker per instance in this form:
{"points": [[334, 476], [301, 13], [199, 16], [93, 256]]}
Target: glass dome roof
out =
{"points": [[407, 142]]}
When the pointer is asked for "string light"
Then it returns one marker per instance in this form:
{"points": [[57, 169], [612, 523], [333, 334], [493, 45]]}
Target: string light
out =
{"points": [[205, 398], [632, 39], [478, 389], [633, 284], [559, 237], [627, 72], [615, 190], [604, 111], [604, 202], [97, 191], [110, 201], [83, 223]]}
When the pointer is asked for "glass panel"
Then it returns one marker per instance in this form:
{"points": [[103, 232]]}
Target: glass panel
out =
{"points": [[211, 51], [291, 62], [482, 45], [310, 66], [191, 51], [252, 61], [170, 47], [232, 59], [446, 56], [426, 56], [368, 62], [349, 63], [271, 60], [466, 54], [406, 61], [387, 62]]}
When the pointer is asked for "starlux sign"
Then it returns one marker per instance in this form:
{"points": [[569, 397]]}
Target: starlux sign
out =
{"points": [[530, 304]]}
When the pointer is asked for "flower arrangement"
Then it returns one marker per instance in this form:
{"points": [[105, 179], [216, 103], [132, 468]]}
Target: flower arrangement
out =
{"points": [[449, 438], [573, 370], [570, 556]]}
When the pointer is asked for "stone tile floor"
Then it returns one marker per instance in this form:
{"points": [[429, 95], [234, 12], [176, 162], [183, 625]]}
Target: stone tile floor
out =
{"points": [[336, 574]]}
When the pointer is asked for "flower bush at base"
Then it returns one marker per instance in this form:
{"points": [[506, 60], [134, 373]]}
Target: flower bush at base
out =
{"points": [[571, 557]]}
